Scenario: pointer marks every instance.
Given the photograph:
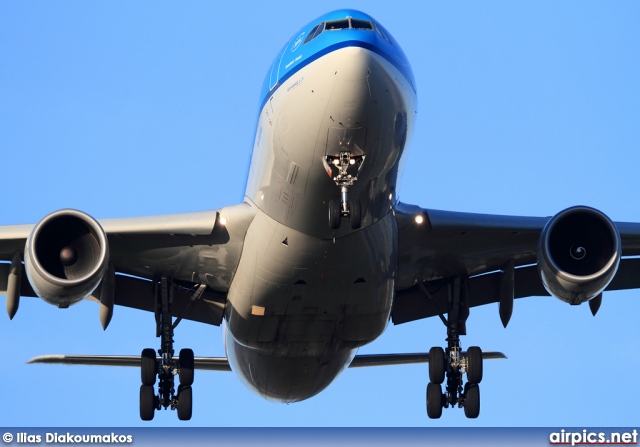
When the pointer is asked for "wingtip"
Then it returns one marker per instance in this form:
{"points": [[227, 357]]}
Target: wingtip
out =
{"points": [[45, 359], [493, 355]]}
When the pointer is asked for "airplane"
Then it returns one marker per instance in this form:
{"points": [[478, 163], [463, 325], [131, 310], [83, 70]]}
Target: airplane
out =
{"points": [[291, 288]]}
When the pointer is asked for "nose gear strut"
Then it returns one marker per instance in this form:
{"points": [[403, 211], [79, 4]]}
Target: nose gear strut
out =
{"points": [[344, 170]]}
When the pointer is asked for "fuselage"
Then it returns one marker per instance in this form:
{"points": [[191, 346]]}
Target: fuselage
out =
{"points": [[305, 296]]}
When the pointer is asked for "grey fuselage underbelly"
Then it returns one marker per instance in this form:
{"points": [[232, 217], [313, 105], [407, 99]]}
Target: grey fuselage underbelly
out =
{"points": [[304, 296]]}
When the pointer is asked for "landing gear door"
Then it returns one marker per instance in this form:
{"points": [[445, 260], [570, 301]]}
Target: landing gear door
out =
{"points": [[344, 155], [342, 139]]}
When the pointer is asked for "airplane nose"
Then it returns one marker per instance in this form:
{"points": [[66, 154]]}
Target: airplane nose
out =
{"points": [[352, 93], [355, 67]]}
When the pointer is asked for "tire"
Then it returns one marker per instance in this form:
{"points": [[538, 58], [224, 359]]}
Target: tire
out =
{"points": [[434, 400], [471, 400], [335, 214], [355, 215], [148, 367], [185, 363], [185, 403], [147, 402], [436, 365], [474, 364]]}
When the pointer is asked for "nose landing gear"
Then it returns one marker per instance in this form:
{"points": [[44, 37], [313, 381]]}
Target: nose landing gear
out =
{"points": [[349, 208], [344, 170]]}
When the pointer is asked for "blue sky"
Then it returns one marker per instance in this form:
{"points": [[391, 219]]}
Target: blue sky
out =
{"points": [[129, 109]]}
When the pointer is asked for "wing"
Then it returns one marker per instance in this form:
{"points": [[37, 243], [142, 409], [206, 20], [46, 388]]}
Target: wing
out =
{"points": [[222, 363], [437, 246], [192, 249]]}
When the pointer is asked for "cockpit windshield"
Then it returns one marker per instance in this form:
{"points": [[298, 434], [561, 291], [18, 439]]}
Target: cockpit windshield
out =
{"points": [[335, 25], [361, 24]]}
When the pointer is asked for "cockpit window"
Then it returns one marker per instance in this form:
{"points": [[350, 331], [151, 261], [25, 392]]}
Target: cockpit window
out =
{"points": [[361, 24], [336, 25], [382, 33], [314, 32]]}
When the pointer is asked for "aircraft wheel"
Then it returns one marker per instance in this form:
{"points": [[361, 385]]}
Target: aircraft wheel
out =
{"points": [[148, 367], [335, 214], [355, 215], [472, 400], [436, 365], [434, 400], [147, 402], [185, 402], [186, 367], [474, 364]]}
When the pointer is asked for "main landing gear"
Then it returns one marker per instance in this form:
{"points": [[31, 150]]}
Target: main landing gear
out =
{"points": [[166, 367], [451, 364], [344, 170]]}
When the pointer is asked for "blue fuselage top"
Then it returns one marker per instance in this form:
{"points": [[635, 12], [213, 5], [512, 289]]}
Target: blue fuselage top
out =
{"points": [[330, 32]]}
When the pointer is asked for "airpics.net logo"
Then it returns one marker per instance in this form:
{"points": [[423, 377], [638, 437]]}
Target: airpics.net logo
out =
{"points": [[586, 437], [66, 438]]}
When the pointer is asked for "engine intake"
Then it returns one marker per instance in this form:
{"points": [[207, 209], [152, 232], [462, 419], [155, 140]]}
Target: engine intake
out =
{"points": [[578, 254], [66, 256]]}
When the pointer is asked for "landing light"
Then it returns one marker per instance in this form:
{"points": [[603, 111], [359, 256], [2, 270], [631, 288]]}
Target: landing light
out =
{"points": [[419, 219], [223, 220]]}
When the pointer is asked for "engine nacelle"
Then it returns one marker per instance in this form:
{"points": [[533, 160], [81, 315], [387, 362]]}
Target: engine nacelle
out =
{"points": [[66, 256], [578, 254]]}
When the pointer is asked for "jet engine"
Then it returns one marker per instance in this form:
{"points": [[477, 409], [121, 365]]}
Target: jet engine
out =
{"points": [[66, 256], [578, 254]]}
